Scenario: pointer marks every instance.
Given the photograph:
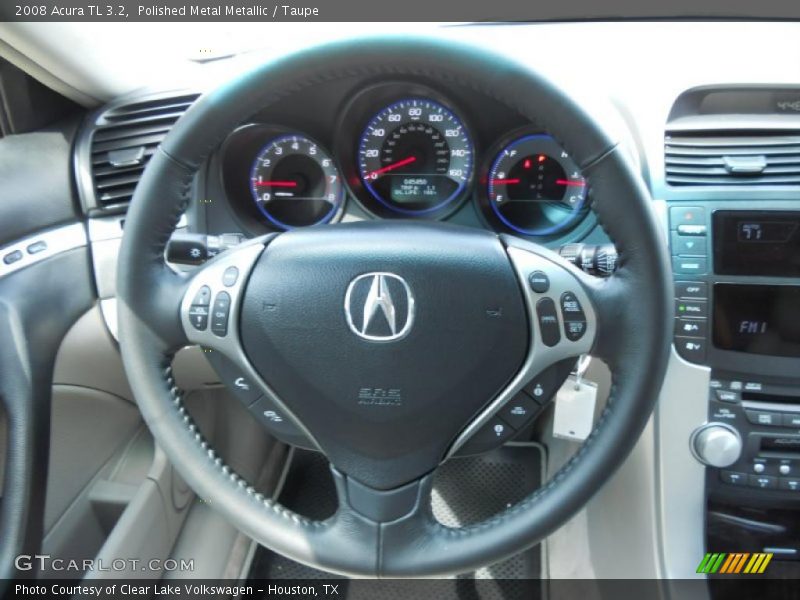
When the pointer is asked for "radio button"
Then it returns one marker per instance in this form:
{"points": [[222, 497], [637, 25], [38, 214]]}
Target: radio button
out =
{"points": [[726, 396], [734, 477], [689, 266], [760, 417], [686, 215], [791, 419], [220, 313], [690, 327], [716, 445], [789, 483], [691, 290], [765, 482]]}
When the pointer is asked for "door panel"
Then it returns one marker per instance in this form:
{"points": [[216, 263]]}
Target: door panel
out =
{"points": [[43, 291]]}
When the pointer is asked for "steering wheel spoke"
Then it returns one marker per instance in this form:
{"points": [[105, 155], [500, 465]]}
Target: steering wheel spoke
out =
{"points": [[563, 325], [210, 316], [406, 502]]}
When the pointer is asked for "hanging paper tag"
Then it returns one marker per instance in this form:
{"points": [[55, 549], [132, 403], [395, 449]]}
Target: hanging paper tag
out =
{"points": [[574, 413]]}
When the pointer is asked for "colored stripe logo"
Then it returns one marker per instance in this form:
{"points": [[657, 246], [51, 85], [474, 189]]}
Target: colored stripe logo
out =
{"points": [[734, 563]]}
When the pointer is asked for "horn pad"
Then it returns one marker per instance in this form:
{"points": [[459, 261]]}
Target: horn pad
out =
{"points": [[385, 339]]}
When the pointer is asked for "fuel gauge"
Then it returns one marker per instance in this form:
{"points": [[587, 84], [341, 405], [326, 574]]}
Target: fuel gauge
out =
{"points": [[534, 188]]}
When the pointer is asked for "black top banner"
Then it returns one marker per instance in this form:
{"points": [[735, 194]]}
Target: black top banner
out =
{"points": [[405, 11]]}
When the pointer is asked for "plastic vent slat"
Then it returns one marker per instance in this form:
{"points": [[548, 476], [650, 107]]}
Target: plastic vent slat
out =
{"points": [[698, 180], [723, 141], [100, 160], [139, 125], [131, 178], [790, 159], [117, 196], [117, 133], [129, 142], [137, 110], [790, 170], [701, 158]]}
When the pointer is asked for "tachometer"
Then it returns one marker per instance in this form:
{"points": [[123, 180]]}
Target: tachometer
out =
{"points": [[295, 183], [535, 188], [415, 158]]}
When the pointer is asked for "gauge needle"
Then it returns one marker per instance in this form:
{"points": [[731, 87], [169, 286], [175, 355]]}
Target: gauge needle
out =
{"points": [[391, 167], [568, 182], [504, 181], [276, 183]]}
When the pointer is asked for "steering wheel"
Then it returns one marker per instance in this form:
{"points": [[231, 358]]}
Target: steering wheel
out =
{"points": [[463, 330]]}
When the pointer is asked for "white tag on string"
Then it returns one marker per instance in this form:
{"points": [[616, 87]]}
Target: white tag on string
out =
{"points": [[575, 403]]}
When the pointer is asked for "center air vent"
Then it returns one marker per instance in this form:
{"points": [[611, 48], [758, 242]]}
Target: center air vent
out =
{"points": [[123, 140], [732, 158]]}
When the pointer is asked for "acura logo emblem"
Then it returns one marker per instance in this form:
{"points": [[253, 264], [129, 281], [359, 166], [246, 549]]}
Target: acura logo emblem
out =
{"points": [[379, 307]]}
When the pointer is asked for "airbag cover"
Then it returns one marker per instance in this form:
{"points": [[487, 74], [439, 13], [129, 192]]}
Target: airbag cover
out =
{"points": [[318, 309]]}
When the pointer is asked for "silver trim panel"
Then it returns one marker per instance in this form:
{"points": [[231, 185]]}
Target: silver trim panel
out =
{"points": [[682, 407], [56, 241], [211, 275], [563, 278]]}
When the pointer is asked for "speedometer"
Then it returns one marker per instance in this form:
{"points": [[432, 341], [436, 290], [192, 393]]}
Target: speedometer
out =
{"points": [[415, 158]]}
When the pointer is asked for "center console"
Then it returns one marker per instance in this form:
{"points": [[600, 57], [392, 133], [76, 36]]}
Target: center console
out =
{"points": [[737, 289]]}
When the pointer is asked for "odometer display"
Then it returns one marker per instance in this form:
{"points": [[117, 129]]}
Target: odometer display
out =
{"points": [[415, 158], [295, 183]]}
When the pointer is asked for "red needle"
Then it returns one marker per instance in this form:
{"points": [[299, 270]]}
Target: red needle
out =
{"points": [[504, 181], [568, 182], [392, 167], [276, 183]]}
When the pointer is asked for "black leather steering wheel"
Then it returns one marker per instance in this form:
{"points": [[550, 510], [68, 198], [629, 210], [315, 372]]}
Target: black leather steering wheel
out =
{"points": [[474, 341]]}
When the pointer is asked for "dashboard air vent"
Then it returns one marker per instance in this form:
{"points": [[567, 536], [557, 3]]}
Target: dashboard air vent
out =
{"points": [[732, 158], [122, 142]]}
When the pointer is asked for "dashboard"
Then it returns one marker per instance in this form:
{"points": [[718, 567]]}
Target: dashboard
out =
{"points": [[363, 149], [400, 149]]}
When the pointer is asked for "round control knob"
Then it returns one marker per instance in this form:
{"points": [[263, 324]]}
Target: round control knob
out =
{"points": [[716, 445]]}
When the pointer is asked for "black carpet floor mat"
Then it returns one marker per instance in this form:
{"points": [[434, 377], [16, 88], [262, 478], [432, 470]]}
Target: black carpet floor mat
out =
{"points": [[466, 490]]}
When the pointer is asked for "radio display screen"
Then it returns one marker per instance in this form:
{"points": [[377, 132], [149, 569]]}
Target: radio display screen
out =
{"points": [[757, 243], [757, 319]]}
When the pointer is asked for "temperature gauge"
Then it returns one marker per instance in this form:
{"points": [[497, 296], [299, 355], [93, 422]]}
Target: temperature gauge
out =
{"points": [[534, 188]]}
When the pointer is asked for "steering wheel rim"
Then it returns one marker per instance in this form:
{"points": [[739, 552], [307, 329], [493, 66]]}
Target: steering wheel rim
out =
{"points": [[392, 537]]}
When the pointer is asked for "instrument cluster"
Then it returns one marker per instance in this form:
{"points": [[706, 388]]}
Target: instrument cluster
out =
{"points": [[403, 150]]}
